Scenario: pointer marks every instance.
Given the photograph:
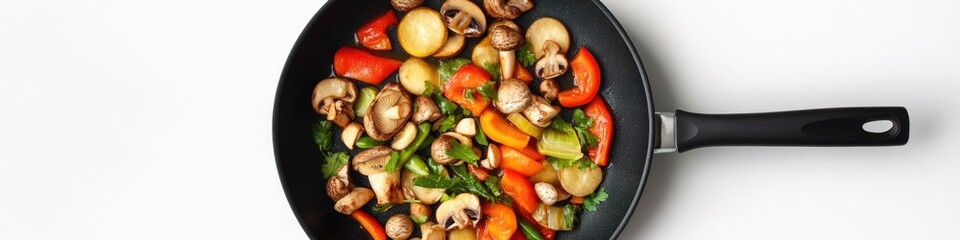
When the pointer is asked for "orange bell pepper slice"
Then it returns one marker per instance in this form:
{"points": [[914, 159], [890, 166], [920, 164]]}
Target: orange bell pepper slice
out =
{"points": [[532, 152], [586, 77], [501, 221], [523, 74], [360, 65], [517, 161], [520, 190], [497, 128], [602, 128], [467, 77], [374, 36], [370, 224]]}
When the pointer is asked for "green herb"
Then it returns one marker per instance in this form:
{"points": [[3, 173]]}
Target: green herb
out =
{"points": [[367, 142], [480, 137], [581, 163], [323, 135], [446, 69], [382, 207], [435, 181], [493, 69], [468, 95], [569, 215], [394, 162], [582, 124], [462, 152], [487, 91], [445, 197], [448, 123], [493, 183], [591, 202], [585, 163], [435, 168], [418, 219], [430, 89], [525, 56], [469, 183], [560, 125], [333, 163], [446, 106]]}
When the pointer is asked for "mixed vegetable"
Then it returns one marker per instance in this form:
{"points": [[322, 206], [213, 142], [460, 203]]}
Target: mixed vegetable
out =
{"points": [[466, 142]]}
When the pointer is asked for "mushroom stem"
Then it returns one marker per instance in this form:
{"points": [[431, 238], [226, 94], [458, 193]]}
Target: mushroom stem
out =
{"points": [[460, 21], [508, 63], [387, 187]]}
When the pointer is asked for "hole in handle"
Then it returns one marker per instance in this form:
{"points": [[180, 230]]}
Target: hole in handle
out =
{"points": [[878, 126]]}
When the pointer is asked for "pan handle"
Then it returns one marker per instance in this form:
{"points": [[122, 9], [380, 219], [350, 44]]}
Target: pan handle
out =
{"points": [[817, 127]]}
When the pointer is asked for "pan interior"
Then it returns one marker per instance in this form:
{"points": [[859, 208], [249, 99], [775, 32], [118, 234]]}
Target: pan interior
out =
{"points": [[624, 87]]}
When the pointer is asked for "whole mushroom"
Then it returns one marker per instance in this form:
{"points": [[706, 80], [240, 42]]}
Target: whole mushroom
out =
{"points": [[507, 9], [388, 112], [405, 5], [512, 96], [464, 17], [540, 112], [427, 110], [553, 64], [334, 97], [549, 89], [353, 200], [506, 38], [432, 231], [339, 185], [399, 227], [438, 149], [385, 185], [460, 212]]}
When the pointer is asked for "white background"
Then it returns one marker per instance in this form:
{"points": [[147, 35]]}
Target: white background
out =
{"points": [[151, 119]]}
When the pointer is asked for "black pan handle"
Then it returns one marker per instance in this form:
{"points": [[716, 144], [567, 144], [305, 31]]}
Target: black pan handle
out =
{"points": [[818, 127]]}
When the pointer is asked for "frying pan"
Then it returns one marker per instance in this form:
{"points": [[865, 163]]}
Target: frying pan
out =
{"points": [[640, 131]]}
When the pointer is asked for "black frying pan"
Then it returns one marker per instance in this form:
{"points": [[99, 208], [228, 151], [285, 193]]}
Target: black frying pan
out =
{"points": [[640, 130]]}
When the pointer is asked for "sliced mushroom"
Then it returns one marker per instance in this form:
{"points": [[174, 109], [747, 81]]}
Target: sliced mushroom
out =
{"points": [[399, 227], [427, 110], [432, 231], [386, 185], [422, 194], [438, 149], [549, 89], [546, 192], [540, 112], [493, 157], [506, 38], [334, 97], [350, 134], [339, 185], [371, 161], [553, 64], [405, 5], [388, 112], [467, 127], [459, 212], [464, 17], [513, 96], [508, 9], [353, 200], [405, 137]]}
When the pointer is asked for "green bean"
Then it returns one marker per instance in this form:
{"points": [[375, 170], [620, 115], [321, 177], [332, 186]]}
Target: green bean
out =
{"points": [[416, 165], [366, 142], [528, 230]]}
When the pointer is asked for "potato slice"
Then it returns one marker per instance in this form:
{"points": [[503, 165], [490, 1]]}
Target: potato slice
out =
{"points": [[415, 72], [422, 32], [484, 53], [452, 47], [580, 183], [544, 29]]}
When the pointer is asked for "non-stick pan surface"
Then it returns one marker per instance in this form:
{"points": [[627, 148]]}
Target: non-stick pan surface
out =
{"points": [[590, 24]]}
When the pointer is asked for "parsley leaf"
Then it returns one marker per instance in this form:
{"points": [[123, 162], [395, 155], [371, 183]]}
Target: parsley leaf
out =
{"points": [[435, 181], [525, 56], [446, 69], [435, 168], [418, 219], [462, 152], [493, 69], [580, 119], [582, 124], [382, 207], [430, 89], [581, 163], [487, 91], [569, 216], [560, 125], [480, 137], [333, 164], [468, 95], [446, 106], [393, 163], [448, 123], [591, 202], [323, 135], [493, 183]]}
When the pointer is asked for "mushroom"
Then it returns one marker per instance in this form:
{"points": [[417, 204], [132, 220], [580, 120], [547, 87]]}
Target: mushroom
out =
{"points": [[553, 64], [493, 157], [353, 200], [546, 192], [508, 9], [334, 97], [350, 134], [339, 185], [405, 5], [423, 194], [549, 89], [420, 211], [399, 227], [540, 112], [506, 38], [467, 127], [464, 17], [405, 137], [427, 110], [459, 212], [388, 112], [371, 162], [513, 96], [432, 231], [438, 149]]}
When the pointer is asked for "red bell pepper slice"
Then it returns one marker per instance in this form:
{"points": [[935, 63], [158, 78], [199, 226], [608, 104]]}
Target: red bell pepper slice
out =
{"points": [[373, 35], [520, 190], [467, 77], [602, 128], [360, 65], [586, 77], [370, 224]]}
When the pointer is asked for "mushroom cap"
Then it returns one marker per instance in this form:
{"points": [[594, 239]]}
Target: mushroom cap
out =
{"points": [[464, 17], [540, 112], [371, 161], [513, 96], [399, 226], [506, 37], [339, 185], [330, 89], [553, 64], [375, 121], [405, 5], [438, 149], [549, 88], [507, 9], [459, 212], [427, 110]]}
